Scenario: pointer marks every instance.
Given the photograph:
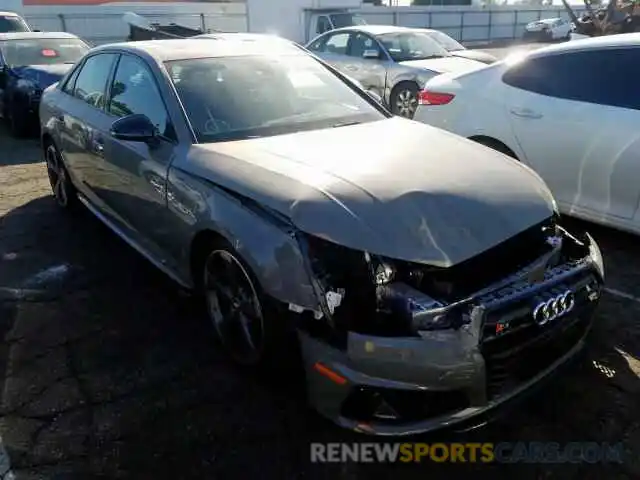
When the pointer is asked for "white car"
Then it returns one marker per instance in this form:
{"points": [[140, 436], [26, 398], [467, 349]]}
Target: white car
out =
{"points": [[548, 29], [566, 111]]}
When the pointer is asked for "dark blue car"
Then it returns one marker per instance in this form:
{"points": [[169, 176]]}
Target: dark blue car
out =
{"points": [[29, 63]]}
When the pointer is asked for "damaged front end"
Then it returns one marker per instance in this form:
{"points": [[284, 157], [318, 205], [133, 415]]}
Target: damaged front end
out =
{"points": [[402, 347]]}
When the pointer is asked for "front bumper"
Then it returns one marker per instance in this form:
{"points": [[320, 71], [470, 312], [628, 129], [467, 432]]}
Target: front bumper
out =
{"points": [[453, 379]]}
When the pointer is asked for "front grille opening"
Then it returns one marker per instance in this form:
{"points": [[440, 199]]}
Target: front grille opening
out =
{"points": [[520, 357], [385, 405]]}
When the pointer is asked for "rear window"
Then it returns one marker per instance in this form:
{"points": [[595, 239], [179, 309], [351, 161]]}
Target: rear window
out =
{"points": [[591, 76], [12, 23], [43, 51]]}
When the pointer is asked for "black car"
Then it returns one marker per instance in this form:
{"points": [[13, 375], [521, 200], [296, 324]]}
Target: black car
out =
{"points": [[29, 63]]}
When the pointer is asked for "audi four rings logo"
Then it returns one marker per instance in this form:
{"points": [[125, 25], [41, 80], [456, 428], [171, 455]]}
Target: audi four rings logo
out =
{"points": [[554, 307]]}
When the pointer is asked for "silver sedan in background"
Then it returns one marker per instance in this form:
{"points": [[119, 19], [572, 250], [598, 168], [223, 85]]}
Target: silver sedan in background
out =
{"points": [[393, 62]]}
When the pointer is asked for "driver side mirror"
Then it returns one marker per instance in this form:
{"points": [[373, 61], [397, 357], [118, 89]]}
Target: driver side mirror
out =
{"points": [[371, 54], [134, 128]]}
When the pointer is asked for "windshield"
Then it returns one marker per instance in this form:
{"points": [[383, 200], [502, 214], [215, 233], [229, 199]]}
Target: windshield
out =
{"points": [[43, 51], [411, 46], [340, 20], [12, 24], [446, 41], [233, 98]]}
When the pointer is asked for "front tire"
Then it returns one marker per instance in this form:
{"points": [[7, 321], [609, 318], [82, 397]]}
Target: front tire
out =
{"points": [[63, 190], [252, 328], [404, 99]]}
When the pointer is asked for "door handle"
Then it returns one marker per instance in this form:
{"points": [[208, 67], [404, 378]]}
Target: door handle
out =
{"points": [[525, 113]]}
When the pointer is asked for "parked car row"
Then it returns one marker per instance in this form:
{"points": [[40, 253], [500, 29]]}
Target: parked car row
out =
{"points": [[418, 278], [393, 62]]}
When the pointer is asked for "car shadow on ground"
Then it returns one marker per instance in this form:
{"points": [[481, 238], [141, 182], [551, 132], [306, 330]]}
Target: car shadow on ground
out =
{"points": [[111, 370]]}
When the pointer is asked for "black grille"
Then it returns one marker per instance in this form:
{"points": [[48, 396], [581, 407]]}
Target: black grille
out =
{"points": [[524, 349]]}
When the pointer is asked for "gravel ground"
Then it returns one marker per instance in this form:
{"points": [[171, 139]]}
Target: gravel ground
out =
{"points": [[110, 372]]}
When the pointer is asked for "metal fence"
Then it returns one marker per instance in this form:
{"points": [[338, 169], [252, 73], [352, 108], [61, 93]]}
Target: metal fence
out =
{"points": [[101, 28], [470, 25]]}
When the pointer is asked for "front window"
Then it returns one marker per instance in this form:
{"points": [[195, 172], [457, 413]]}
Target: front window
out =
{"points": [[340, 20], [43, 51], [446, 41], [407, 46], [235, 98], [12, 24]]}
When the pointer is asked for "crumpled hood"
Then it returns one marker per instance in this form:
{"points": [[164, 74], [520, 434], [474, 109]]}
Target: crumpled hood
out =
{"points": [[394, 187], [445, 64], [42, 75]]}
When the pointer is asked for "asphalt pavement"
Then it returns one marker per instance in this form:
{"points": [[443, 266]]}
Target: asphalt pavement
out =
{"points": [[111, 372]]}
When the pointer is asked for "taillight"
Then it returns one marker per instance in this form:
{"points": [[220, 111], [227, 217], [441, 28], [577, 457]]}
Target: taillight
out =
{"points": [[425, 97]]}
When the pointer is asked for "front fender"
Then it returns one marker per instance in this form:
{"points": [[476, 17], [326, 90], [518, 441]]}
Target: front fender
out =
{"points": [[265, 241]]}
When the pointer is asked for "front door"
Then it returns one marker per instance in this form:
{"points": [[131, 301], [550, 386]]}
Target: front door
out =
{"points": [[134, 183], [367, 62]]}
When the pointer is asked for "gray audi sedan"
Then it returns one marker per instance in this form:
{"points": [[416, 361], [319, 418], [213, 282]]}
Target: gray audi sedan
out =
{"points": [[419, 279], [393, 62]]}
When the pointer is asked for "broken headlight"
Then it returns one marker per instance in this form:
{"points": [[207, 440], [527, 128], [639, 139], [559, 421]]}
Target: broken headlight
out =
{"points": [[371, 294], [415, 309]]}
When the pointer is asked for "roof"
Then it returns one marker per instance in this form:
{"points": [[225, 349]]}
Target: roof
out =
{"points": [[182, 49], [241, 36], [607, 41], [9, 14], [35, 35], [375, 29]]}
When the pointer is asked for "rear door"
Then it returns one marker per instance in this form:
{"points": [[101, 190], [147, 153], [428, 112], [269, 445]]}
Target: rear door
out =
{"points": [[83, 121], [576, 119], [333, 48]]}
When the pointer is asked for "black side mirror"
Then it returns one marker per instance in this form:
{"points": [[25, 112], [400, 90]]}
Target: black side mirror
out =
{"points": [[134, 128]]}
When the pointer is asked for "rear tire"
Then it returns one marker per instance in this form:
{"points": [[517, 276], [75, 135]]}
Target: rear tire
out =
{"points": [[404, 99], [64, 193], [495, 145]]}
